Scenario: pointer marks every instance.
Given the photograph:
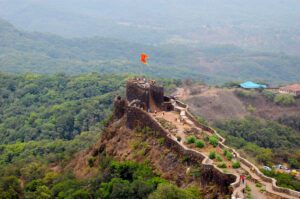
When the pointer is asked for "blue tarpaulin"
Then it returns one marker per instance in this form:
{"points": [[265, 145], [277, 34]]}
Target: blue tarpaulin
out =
{"points": [[252, 85]]}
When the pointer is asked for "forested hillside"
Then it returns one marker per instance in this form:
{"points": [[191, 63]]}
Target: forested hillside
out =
{"points": [[271, 26], [45, 120], [42, 53]]}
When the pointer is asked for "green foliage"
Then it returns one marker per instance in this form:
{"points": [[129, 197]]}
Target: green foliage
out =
{"points": [[178, 138], [213, 140], [229, 156], [161, 141], [195, 172], [249, 196], [225, 151], [284, 99], [236, 164], [200, 143], [231, 84], [283, 179], [248, 188], [258, 185], [169, 191], [269, 95], [219, 159], [9, 187], [245, 94], [55, 107], [91, 161], [194, 191], [264, 133], [212, 155], [262, 190], [292, 121], [202, 120], [191, 139], [222, 165], [251, 108], [294, 163]]}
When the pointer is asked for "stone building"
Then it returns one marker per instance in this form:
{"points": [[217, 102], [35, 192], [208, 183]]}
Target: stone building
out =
{"points": [[291, 89], [147, 94]]}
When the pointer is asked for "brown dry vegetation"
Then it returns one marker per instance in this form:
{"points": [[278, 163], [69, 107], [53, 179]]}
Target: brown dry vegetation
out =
{"points": [[218, 104]]}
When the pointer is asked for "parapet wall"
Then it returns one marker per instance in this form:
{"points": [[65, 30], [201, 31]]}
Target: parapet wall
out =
{"points": [[209, 172], [149, 94], [242, 160]]}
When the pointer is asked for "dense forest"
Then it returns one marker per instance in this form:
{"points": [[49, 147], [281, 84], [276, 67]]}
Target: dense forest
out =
{"points": [[266, 143], [262, 133], [45, 120], [42, 53]]}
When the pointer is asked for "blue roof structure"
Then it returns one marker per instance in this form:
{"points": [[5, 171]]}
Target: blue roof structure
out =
{"points": [[252, 85]]}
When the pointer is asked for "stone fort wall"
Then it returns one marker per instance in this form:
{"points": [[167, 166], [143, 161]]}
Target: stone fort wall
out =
{"points": [[209, 172]]}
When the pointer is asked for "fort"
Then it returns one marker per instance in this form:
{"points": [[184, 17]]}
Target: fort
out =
{"points": [[146, 106]]}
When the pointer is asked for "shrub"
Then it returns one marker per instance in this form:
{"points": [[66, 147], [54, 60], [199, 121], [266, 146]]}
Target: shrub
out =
{"points": [[248, 188], [212, 155], [262, 190], [191, 139], [245, 94], [213, 140], [249, 196], [229, 156], [258, 185], [202, 120], [269, 95], [91, 161], [222, 165], [251, 108], [161, 141], [236, 164], [284, 99], [225, 151], [178, 138], [200, 143], [219, 158]]}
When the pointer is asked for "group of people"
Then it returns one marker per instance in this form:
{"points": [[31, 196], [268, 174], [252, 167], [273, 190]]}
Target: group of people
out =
{"points": [[181, 120]]}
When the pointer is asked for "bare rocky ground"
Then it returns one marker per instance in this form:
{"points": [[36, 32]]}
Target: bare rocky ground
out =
{"points": [[219, 104]]}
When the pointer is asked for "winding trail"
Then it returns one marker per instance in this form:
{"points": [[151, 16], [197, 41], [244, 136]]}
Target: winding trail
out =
{"points": [[239, 188]]}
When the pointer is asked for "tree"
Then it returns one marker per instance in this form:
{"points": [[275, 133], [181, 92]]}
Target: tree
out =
{"points": [[169, 191]]}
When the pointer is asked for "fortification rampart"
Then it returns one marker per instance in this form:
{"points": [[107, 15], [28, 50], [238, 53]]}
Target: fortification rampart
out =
{"points": [[209, 172], [241, 159], [150, 95]]}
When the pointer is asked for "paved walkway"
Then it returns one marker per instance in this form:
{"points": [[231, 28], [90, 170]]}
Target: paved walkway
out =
{"points": [[173, 117]]}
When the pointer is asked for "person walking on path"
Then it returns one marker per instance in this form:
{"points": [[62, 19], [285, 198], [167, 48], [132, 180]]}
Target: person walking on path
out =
{"points": [[242, 178]]}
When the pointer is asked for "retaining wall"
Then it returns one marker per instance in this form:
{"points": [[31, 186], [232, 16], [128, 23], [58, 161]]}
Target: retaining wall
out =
{"points": [[209, 172], [243, 160]]}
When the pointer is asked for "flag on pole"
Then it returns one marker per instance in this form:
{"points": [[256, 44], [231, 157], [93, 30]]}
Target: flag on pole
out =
{"points": [[143, 58]]}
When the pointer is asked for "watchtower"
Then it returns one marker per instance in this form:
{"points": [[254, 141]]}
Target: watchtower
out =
{"points": [[145, 93]]}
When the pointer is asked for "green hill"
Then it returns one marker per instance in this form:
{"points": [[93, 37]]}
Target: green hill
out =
{"points": [[42, 53]]}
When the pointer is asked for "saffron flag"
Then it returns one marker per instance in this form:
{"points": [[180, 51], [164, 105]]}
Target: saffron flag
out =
{"points": [[143, 58]]}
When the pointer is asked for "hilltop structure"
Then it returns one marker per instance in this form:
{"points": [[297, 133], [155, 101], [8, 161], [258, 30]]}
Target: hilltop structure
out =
{"points": [[146, 107], [291, 89], [147, 95]]}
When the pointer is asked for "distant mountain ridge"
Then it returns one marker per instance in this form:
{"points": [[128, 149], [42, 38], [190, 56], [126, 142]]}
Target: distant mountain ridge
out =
{"points": [[271, 25], [44, 53]]}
